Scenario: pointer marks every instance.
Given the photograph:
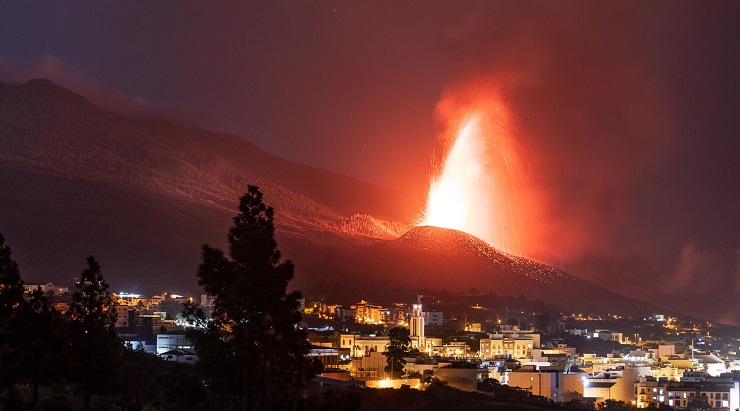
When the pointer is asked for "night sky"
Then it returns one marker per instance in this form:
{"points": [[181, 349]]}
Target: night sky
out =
{"points": [[627, 113]]}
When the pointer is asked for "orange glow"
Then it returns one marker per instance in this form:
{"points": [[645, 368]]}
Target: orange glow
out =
{"points": [[475, 190]]}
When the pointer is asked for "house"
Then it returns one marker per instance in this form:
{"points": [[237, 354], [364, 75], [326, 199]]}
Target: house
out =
{"points": [[181, 356], [46, 288]]}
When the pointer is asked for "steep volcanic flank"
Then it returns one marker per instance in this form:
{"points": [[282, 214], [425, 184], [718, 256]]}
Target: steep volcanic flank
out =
{"points": [[448, 241], [442, 259], [143, 195]]}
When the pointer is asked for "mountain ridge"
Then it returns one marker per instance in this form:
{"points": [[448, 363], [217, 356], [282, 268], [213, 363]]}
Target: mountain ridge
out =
{"points": [[143, 195], [103, 132]]}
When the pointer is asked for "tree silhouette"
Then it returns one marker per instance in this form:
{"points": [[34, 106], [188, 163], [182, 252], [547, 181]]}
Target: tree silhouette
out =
{"points": [[614, 405], [251, 351], [399, 343], [43, 341], [94, 346], [11, 303], [542, 323], [11, 285]]}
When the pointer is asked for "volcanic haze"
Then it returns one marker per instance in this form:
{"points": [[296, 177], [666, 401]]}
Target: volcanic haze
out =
{"points": [[143, 195]]}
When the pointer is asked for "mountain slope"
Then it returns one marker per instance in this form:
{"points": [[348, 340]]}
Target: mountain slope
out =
{"points": [[143, 195], [51, 130], [432, 257]]}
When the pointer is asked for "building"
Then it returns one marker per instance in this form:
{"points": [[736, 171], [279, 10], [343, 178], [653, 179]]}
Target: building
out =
{"points": [[178, 355], [617, 384], [518, 346], [716, 394], [328, 356], [546, 381], [363, 345], [711, 364], [168, 342], [453, 349], [46, 288], [434, 318], [398, 315], [124, 315], [206, 300], [344, 314], [366, 313], [416, 325], [608, 335]]}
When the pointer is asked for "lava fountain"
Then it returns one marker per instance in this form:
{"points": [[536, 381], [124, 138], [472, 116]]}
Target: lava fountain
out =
{"points": [[475, 189]]}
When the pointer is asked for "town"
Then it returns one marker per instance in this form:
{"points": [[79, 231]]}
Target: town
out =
{"points": [[576, 358]]}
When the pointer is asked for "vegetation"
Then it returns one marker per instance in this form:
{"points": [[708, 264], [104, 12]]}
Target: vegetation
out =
{"points": [[44, 342], [251, 352], [398, 347], [11, 285], [94, 349], [252, 355], [11, 302]]}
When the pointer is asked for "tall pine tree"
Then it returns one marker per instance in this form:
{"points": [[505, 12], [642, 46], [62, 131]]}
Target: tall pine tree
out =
{"points": [[11, 284], [11, 307], [252, 352], [43, 341], [95, 349], [397, 349]]}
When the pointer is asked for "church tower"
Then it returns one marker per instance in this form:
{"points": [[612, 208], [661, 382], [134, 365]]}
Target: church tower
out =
{"points": [[416, 325]]}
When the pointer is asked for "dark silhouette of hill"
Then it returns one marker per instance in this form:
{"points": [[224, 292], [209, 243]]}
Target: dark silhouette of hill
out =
{"points": [[142, 195]]}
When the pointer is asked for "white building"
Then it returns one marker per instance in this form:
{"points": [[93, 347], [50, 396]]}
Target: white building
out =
{"points": [[434, 318], [712, 364], [168, 342]]}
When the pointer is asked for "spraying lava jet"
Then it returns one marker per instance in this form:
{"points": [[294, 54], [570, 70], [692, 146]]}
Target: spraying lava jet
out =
{"points": [[475, 190]]}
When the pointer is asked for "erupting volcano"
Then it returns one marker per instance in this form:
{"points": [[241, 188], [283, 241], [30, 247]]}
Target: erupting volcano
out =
{"points": [[178, 189], [475, 190]]}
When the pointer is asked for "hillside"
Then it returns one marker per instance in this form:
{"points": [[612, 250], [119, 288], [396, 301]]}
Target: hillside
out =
{"points": [[443, 259], [143, 195]]}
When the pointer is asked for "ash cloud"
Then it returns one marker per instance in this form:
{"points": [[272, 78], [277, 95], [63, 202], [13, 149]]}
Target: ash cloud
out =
{"points": [[618, 151]]}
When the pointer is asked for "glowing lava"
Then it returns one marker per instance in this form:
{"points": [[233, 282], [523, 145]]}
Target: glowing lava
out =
{"points": [[475, 190]]}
